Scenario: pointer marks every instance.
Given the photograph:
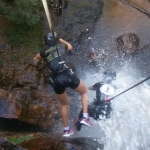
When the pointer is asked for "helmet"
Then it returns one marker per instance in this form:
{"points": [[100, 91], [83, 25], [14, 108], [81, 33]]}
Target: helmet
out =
{"points": [[109, 76], [49, 39]]}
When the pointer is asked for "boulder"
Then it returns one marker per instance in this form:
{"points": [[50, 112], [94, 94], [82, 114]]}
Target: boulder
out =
{"points": [[25, 96], [33, 107], [127, 43]]}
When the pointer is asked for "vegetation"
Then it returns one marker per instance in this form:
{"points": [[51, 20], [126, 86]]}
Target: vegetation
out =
{"points": [[24, 17], [82, 6], [17, 140]]}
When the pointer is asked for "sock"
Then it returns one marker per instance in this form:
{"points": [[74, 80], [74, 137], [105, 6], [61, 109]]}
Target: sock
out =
{"points": [[66, 128], [85, 115]]}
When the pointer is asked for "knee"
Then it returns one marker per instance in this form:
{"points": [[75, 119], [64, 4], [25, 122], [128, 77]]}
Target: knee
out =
{"points": [[85, 96], [65, 104]]}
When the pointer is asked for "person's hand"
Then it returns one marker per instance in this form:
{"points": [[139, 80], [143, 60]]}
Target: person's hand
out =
{"points": [[90, 88], [35, 62], [37, 58]]}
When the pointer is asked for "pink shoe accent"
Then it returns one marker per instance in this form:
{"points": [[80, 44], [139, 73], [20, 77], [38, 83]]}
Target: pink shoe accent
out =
{"points": [[107, 99], [86, 122], [67, 133]]}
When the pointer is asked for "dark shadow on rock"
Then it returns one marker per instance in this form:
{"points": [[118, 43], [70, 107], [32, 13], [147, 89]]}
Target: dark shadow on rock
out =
{"points": [[18, 126]]}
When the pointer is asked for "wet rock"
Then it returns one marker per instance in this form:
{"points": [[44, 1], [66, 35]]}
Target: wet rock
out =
{"points": [[25, 96], [145, 47], [24, 74], [19, 74], [7, 105], [6, 145], [57, 143], [80, 16], [38, 108], [127, 43]]}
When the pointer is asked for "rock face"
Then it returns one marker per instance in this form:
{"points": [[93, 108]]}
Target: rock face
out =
{"points": [[23, 95], [48, 143], [127, 43], [79, 19]]}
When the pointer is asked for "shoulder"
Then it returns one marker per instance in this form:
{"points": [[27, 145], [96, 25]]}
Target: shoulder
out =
{"points": [[42, 53]]}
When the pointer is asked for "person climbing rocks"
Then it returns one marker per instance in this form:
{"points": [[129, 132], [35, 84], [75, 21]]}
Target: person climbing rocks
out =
{"points": [[105, 88], [63, 77]]}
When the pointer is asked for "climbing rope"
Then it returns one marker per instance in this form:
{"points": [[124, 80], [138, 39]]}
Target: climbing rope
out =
{"points": [[130, 88], [47, 13]]}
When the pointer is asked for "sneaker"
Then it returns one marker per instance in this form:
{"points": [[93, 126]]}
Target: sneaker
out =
{"points": [[68, 132], [86, 122]]}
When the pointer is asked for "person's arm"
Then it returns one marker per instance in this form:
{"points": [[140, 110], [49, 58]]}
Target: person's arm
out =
{"points": [[96, 86], [90, 88], [37, 57], [65, 42]]}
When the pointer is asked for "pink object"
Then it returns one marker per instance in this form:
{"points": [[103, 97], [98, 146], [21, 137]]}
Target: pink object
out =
{"points": [[107, 99]]}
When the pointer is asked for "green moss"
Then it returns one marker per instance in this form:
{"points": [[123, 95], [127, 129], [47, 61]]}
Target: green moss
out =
{"points": [[16, 58], [81, 6], [17, 140], [35, 38], [25, 43], [28, 38]]}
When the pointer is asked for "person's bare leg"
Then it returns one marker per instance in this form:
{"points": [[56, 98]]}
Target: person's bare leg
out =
{"points": [[64, 107], [82, 89]]}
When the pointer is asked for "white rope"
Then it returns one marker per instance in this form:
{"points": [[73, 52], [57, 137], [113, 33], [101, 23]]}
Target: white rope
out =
{"points": [[47, 13]]}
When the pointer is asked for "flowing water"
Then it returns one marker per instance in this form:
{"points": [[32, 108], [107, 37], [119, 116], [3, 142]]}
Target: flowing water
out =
{"points": [[128, 127]]}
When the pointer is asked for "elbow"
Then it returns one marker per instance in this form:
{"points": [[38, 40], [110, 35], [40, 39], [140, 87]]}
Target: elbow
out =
{"points": [[70, 47]]}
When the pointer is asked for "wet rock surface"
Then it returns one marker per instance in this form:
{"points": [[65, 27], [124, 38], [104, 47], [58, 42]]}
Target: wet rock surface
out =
{"points": [[25, 96], [46, 142], [78, 20]]}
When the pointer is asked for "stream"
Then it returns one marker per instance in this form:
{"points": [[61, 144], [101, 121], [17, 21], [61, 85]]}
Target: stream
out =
{"points": [[128, 127]]}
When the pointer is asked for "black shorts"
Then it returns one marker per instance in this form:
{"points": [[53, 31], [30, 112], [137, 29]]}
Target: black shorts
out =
{"points": [[63, 80]]}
